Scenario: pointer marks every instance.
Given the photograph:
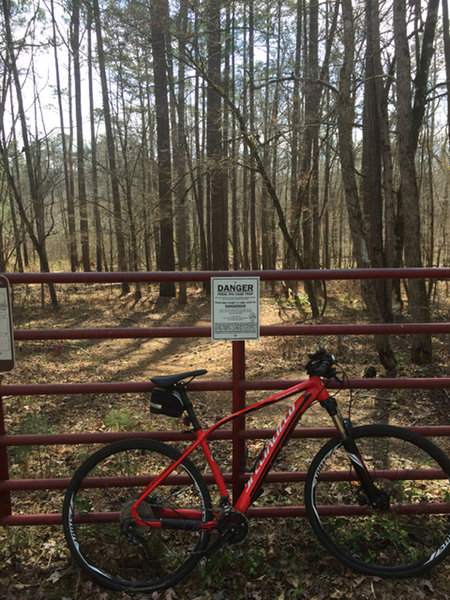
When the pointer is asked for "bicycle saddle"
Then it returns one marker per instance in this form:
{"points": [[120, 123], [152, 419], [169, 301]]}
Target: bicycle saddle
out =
{"points": [[167, 381]]}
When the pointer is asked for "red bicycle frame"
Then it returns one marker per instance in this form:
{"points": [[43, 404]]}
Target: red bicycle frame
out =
{"points": [[310, 391]]}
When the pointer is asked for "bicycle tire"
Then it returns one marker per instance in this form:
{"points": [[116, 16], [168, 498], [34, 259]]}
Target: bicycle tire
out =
{"points": [[385, 543], [158, 558]]}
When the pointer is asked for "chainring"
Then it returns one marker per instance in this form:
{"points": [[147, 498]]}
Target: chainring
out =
{"points": [[233, 525]]}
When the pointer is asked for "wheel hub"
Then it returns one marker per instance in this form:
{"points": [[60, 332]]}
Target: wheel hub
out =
{"points": [[127, 527]]}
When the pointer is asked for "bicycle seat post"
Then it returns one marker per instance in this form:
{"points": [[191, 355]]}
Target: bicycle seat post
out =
{"points": [[189, 407]]}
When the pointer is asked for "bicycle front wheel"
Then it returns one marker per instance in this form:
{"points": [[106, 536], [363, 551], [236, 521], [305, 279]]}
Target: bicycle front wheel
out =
{"points": [[407, 536], [106, 544]]}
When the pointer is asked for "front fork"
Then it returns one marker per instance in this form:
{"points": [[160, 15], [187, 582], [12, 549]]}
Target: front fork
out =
{"points": [[372, 494]]}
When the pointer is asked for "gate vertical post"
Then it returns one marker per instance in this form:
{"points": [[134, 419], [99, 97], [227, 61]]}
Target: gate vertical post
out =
{"points": [[5, 495], [238, 359]]}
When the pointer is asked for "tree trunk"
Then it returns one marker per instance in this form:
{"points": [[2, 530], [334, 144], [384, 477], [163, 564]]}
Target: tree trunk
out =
{"points": [[251, 102], [268, 225], [118, 227], [236, 242], [294, 214], [179, 151], [19, 230], [214, 145], [82, 199], [421, 351], [17, 241], [345, 110], [308, 189], [95, 193], [72, 241], [446, 28], [372, 194], [199, 193], [159, 27]]}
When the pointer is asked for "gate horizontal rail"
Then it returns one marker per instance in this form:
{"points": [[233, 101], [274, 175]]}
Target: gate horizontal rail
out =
{"points": [[37, 389], [238, 384], [193, 276], [265, 330]]}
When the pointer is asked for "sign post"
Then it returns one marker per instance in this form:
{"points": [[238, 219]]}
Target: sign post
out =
{"points": [[235, 317], [235, 308], [6, 328]]}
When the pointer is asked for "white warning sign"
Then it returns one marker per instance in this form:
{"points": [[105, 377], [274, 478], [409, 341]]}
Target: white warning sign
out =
{"points": [[235, 308], [6, 328]]}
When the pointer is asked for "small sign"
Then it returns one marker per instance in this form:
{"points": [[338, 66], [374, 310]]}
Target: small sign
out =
{"points": [[6, 328], [235, 308]]}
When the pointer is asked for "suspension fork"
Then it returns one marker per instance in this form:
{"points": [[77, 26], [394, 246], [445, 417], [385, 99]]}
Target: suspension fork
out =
{"points": [[375, 497]]}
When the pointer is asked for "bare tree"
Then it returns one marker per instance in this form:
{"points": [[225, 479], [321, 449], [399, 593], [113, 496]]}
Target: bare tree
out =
{"points": [[118, 225], [159, 11], [214, 147], [372, 192], [95, 185], [409, 119], [81, 178], [68, 180], [345, 109], [34, 182]]}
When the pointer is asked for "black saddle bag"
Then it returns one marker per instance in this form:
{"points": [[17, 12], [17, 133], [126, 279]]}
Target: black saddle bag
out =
{"points": [[166, 402]]}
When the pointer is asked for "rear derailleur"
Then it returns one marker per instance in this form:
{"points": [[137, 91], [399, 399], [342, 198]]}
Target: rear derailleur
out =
{"points": [[128, 528]]}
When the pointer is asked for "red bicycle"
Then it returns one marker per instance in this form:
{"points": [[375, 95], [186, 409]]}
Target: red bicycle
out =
{"points": [[138, 515]]}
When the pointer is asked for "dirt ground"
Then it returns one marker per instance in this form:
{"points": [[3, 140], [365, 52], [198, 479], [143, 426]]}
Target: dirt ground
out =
{"points": [[280, 559]]}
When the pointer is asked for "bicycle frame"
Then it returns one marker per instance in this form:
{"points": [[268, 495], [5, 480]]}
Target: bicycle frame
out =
{"points": [[311, 390]]}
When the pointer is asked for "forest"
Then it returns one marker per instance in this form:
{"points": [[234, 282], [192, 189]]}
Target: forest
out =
{"points": [[143, 135], [217, 135]]}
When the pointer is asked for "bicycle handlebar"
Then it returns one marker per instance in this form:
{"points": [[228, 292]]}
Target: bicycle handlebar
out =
{"points": [[321, 364]]}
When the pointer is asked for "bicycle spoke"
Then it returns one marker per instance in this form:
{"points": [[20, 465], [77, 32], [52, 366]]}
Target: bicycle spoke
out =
{"points": [[116, 551], [410, 531]]}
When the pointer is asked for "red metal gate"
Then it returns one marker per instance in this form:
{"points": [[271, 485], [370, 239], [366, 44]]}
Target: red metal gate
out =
{"points": [[238, 385]]}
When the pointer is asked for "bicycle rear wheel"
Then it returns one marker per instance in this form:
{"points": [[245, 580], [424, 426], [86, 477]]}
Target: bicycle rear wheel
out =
{"points": [[101, 536], [397, 541]]}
